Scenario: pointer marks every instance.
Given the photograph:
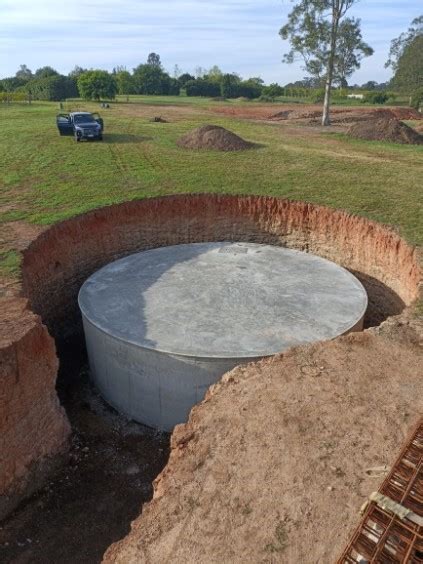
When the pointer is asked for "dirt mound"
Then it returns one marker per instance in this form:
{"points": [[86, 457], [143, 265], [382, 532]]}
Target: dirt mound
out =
{"points": [[158, 119], [275, 464], [401, 113], [296, 114], [347, 115], [385, 129], [213, 137]]}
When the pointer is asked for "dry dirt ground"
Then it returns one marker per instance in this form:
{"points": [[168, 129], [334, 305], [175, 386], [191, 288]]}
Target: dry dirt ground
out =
{"points": [[311, 114], [275, 464], [90, 502]]}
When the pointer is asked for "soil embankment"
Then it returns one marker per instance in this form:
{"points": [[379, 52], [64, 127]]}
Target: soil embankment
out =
{"points": [[275, 464]]}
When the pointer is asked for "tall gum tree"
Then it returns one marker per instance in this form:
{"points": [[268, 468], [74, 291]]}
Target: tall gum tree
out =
{"points": [[330, 45]]}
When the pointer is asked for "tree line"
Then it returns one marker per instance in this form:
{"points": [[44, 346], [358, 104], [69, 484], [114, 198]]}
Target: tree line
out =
{"points": [[319, 32]]}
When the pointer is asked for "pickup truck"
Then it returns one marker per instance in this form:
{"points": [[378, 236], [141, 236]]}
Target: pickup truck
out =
{"points": [[82, 125]]}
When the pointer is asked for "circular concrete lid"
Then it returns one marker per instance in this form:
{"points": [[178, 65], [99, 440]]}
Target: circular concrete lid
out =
{"points": [[222, 300]]}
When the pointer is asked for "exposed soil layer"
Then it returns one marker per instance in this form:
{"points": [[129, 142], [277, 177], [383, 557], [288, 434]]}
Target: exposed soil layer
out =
{"points": [[213, 137], [57, 263], [62, 257], [90, 502], [312, 114], [345, 115], [385, 129], [33, 427], [276, 462]]}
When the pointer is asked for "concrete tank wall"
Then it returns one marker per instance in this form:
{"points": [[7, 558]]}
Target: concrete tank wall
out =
{"points": [[162, 325], [155, 388]]}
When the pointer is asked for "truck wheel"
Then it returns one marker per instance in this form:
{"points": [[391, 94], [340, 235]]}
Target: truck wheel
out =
{"points": [[100, 138]]}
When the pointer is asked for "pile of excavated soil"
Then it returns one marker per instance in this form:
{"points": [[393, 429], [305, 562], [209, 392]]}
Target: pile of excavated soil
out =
{"points": [[213, 137], [347, 115], [385, 129], [275, 464], [158, 119]]}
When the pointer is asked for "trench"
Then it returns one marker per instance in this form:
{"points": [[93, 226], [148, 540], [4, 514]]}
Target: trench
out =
{"points": [[105, 480], [107, 477]]}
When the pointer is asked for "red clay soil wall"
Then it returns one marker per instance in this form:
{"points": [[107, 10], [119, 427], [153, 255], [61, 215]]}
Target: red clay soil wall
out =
{"points": [[61, 258], [33, 426]]}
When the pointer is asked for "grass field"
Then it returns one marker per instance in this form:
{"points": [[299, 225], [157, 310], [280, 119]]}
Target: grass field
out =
{"points": [[45, 178]]}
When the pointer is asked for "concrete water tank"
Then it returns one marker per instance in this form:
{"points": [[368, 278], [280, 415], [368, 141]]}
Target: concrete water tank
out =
{"points": [[162, 325]]}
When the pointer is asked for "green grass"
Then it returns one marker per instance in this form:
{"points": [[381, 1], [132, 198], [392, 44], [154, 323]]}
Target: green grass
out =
{"points": [[10, 262], [45, 178]]}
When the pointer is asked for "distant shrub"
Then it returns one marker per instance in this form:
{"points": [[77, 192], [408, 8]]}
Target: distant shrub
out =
{"points": [[317, 96], [376, 98], [13, 96], [52, 88], [264, 98], [417, 99], [340, 94], [202, 87], [273, 91]]}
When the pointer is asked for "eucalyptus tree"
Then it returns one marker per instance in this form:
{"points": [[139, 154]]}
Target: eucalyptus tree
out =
{"points": [[400, 44], [406, 58], [330, 44]]}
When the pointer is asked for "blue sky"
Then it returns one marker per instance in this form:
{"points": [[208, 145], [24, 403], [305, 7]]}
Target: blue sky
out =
{"points": [[237, 35]]}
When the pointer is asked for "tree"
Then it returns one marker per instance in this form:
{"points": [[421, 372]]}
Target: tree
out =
{"points": [[417, 100], [214, 74], [201, 87], [184, 78], [153, 59], [330, 46], [97, 85], [152, 80], [44, 72], [351, 49], [409, 68], [52, 88], [399, 45], [229, 86], [12, 83], [199, 72], [125, 82], [77, 71], [273, 90], [24, 73]]}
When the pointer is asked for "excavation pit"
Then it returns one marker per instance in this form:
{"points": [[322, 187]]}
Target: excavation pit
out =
{"points": [[162, 325]]}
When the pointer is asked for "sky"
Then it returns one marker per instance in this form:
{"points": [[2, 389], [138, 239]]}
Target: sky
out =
{"points": [[237, 35]]}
